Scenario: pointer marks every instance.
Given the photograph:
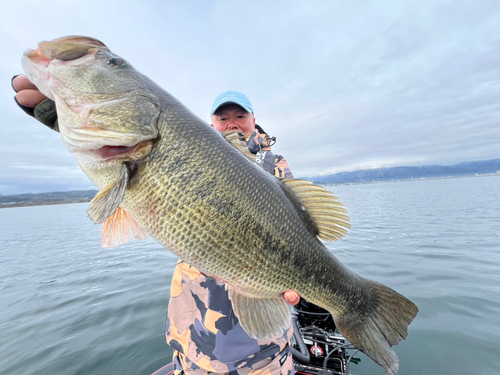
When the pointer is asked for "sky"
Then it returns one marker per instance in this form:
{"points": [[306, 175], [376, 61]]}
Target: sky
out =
{"points": [[342, 85]]}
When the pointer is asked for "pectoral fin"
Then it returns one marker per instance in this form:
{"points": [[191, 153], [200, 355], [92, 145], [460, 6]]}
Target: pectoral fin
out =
{"points": [[107, 200], [261, 318], [120, 228]]}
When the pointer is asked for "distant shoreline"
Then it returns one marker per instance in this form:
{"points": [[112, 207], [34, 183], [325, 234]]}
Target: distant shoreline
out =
{"points": [[40, 203], [402, 180], [47, 199], [72, 197]]}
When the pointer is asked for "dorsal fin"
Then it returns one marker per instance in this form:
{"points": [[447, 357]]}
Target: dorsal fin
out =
{"points": [[324, 208], [107, 200], [119, 228], [236, 139]]}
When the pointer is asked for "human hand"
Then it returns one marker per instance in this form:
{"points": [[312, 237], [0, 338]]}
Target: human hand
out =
{"points": [[291, 297], [28, 94], [34, 103]]}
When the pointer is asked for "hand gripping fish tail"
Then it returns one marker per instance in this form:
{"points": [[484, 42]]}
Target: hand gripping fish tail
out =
{"points": [[163, 171]]}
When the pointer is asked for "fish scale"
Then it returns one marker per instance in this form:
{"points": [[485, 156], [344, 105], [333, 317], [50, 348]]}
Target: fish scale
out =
{"points": [[200, 196]]}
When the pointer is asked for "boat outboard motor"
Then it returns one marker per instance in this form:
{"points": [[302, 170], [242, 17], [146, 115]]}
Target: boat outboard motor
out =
{"points": [[318, 347]]}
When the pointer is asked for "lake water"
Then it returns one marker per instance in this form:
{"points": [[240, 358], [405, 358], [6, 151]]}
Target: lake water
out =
{"points": [[69, 307]]}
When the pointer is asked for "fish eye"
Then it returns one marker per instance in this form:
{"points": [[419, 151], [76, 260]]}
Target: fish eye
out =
{"points": [[117, 62]]}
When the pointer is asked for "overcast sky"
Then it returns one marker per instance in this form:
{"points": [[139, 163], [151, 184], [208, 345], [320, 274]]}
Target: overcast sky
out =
{"points": [[343, 85]]}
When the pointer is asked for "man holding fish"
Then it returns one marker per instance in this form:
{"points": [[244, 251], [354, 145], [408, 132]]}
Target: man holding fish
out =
{"points": [[209, 200]]}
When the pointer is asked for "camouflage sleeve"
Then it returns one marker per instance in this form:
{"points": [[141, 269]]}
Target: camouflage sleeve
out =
{"points": [[282, 169], [45, 112], [258, 142], [275, 164]]}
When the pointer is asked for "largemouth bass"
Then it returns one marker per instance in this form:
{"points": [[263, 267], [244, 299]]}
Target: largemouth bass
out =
{"points": [[161, 170]]}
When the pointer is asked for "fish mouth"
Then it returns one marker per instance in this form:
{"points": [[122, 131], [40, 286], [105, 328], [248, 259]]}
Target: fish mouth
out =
{"points": [[65, 50], [123, 153]]}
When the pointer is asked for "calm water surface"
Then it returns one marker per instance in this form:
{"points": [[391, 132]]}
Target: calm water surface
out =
{"points": [[69, 307]]}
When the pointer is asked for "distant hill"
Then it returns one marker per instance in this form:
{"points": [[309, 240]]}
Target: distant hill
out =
{"points": [[41, 199], [484, 167]]}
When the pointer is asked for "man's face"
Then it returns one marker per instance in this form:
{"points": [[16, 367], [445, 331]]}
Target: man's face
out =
{"points": [[232, 117]]}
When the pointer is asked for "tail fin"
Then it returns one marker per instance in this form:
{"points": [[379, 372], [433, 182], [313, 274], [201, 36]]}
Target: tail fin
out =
{"points": [[386, 326]]}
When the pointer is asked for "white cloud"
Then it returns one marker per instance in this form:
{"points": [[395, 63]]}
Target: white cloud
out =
{"points": [[343, 85]]}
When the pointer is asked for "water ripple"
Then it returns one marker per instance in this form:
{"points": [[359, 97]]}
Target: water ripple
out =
{"points": [[71, 307]]}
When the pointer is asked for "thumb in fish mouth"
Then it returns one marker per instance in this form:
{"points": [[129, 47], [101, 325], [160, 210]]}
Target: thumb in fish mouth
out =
{"points": [[70, 47]]}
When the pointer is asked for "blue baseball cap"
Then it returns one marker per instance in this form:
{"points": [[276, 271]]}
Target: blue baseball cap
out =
{"points": [[231, 97]]}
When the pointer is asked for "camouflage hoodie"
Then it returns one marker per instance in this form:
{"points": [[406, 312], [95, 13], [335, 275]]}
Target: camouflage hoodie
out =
{"points": [[201, 326]]}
